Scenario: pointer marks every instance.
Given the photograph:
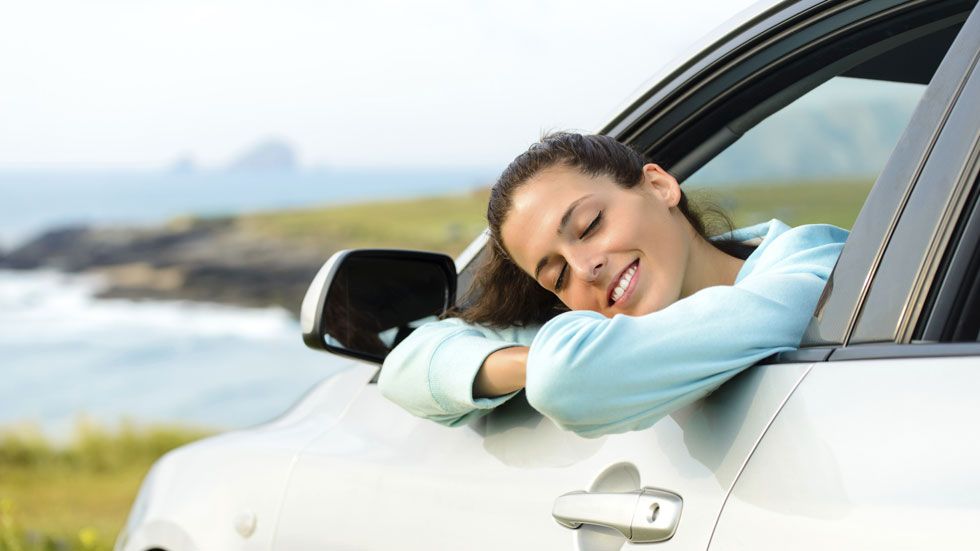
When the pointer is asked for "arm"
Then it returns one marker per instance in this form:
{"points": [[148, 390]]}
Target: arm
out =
{"points": [[597, 375], [434, 372]]}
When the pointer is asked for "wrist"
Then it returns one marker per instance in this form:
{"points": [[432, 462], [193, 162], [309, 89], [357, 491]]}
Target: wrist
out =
{"points": [[502, 372]]}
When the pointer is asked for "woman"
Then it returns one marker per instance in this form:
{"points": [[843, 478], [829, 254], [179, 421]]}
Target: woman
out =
{"points": [[605, 300]]}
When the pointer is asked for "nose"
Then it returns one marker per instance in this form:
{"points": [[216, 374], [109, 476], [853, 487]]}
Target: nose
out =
{"points": [[587, 265]]}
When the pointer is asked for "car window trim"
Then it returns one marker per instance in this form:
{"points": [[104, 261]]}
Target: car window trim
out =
{"points": [[659, 120], [788, 27], [895, 296], [959, 278], [801, 355], [874, 351], [734, 130], [883, 351]]}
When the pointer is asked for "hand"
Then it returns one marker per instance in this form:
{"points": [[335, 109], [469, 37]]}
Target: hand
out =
{"points": [[502, 372]]}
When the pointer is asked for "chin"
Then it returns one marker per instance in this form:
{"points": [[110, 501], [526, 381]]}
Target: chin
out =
{"points": [[657, 305]]}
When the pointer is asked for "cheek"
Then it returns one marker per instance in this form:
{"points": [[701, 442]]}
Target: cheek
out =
{"points": [[578, 298], [666, 254]]}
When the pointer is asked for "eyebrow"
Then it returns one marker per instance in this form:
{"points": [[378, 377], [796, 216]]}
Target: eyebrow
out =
{"points": [[565, 218]]}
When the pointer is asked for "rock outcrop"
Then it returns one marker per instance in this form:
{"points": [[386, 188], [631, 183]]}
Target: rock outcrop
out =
{"points": [[213, 260]]}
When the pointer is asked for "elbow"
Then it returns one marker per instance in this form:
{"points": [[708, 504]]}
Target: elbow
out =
{"points": [[592, 409], [564, 413], [594, 418], [561, 387], [586, 416], [391, 387], [562, 401]]}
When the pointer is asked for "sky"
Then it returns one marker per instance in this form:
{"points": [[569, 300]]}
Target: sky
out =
{"points": [[374, 83]]}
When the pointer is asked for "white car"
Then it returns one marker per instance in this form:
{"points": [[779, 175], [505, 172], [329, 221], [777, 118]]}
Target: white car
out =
{"points": [[859, 440]]}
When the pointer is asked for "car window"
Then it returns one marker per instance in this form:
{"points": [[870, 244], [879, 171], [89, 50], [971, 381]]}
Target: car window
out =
{"points": [[813, 161]]}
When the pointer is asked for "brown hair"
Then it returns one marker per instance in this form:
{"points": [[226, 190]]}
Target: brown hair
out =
{"points": [[502, 294]]}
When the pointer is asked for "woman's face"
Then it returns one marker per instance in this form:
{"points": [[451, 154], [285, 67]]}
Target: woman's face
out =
{"points": [[599, 246]]}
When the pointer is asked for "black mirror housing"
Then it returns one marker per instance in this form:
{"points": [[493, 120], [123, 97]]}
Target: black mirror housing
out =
{"points": [[363, 302]]}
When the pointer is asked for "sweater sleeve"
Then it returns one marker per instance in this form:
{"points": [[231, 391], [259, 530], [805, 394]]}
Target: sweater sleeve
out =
{"points": [[596, 375], [431, 372]]}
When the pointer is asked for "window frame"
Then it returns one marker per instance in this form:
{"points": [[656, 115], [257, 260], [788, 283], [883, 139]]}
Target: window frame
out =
{"points": [[895, 298]]}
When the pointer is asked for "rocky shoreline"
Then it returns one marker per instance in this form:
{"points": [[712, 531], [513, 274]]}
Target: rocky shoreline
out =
{"points": [[209, 260]]}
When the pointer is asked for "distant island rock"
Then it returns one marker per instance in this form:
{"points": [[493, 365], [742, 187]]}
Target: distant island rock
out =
{"points": [[268, 156], [185, 164]]}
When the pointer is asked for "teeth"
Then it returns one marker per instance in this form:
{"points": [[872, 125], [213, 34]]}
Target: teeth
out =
{"points": [[623, 284]]}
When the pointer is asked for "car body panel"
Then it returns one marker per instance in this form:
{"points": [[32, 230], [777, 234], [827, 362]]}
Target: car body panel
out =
{"points": [[195, 494], [866, 454], [494, 483]]}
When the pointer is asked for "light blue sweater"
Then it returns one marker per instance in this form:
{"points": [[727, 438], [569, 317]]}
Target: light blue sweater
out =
{"points": [[596, 375]]}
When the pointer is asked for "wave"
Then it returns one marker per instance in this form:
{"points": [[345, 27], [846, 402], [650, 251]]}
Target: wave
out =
{"points": [[67, 353]]}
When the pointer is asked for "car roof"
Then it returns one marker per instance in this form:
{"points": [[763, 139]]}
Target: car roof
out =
{"points": [[740, 23]]}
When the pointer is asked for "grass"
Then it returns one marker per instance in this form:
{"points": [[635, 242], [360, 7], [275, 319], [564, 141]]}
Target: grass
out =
{"points": [[76, 496], [444, 224], [835, 202], [447, 224]]}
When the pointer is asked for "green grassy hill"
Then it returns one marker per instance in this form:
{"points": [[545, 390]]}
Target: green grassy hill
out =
{"points": [[447, 224], [835, 202], [76, 496]]}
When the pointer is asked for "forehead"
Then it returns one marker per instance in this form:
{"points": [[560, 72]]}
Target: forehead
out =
{"points": [[530, 228], [551, 183]]}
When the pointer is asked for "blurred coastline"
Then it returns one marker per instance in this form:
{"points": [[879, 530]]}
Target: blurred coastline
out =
{"points": [[217, 344]]}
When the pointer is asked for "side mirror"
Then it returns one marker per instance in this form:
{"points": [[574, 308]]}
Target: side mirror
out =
{"points": [[363, 302]]}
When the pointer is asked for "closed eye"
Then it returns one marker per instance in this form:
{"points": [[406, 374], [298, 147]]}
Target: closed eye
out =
{"points": [[560, 282], [592, 226], [561, 277]]}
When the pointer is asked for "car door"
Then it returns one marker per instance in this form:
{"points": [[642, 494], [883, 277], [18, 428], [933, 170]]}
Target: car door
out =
{"points": [[379, 478], [876, 449]]}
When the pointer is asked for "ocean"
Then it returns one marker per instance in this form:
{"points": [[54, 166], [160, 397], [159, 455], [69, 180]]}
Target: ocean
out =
{"points": [[68, 356]]}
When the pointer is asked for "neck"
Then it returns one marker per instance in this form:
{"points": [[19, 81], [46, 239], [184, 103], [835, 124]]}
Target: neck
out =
{"points": [[707, 266]]}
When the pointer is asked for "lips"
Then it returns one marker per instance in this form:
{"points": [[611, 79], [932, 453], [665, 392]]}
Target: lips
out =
{"points": [[623, 284]]}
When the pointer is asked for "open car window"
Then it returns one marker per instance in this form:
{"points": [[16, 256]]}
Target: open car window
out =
{"points": [[812, 150], [813, 161]]}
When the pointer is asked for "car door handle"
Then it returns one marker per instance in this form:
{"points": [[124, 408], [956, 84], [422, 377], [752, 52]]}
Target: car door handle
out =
{"points": [[646, 515]]}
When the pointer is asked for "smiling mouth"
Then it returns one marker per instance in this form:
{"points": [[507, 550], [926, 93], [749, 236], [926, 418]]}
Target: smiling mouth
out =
{"points": [[624, 283]]}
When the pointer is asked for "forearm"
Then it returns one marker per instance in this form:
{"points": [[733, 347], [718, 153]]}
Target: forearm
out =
{"points": [[432, 372], [502, 372]]}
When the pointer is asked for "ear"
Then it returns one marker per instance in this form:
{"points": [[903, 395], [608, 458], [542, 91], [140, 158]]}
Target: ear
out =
{"points": [[662, 183]]}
